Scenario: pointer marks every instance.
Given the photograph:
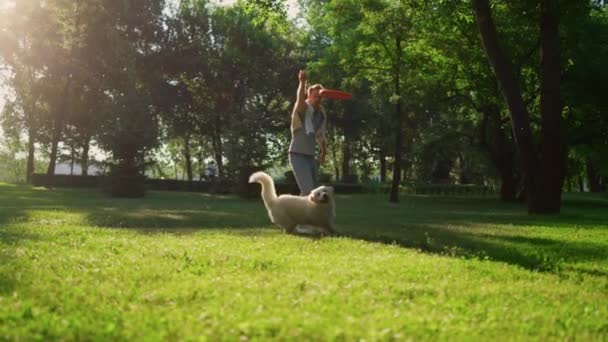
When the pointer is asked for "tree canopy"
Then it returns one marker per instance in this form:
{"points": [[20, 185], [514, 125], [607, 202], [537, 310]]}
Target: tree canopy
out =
{"points": [[502, 94]]}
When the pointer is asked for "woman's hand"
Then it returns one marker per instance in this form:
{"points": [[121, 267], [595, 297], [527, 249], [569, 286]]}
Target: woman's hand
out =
{"points": [[302, 76]]}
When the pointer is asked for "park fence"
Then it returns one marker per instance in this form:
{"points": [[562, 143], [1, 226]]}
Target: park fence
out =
{"points": [[252, 190], [217, 187]]}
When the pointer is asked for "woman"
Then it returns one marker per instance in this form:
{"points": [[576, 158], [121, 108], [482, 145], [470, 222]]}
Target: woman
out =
{"points": [[308, 121]]}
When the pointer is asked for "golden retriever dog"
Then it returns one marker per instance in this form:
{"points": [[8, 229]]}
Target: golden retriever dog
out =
{"points": [[292, 213]]}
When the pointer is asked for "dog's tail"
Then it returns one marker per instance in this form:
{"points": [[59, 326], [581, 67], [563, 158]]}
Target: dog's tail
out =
{"points": [[269, 194]]}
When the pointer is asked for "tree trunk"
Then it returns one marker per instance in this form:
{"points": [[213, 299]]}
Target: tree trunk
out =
{"points": [[216, 141], [593, 178], [336, 168], [499, 150], [220, 166], [201, 166], [581, 184], [548, 192], [54, 147], [346, 156], [30, 155], [188, 158], [84, 158], [394, 194], [508, 187], [218, 159], [520, 118], [382, 156], [465, 176], [57, 127], [72, 160], [334, 154]]}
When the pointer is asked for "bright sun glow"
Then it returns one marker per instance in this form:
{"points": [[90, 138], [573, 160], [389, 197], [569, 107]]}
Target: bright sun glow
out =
{"points": [[292, 12], [4, 4]]}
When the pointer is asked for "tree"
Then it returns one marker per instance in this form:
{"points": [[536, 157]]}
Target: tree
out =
{"points": [[478, 110], [184, 62], [51, 50], [383, 42], [543, 164], [251, 68], [23, 51], [586, 49], [129, 122]]}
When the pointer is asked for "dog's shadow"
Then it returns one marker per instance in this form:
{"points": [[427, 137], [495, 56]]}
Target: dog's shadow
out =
{"points": [[317, 235]]}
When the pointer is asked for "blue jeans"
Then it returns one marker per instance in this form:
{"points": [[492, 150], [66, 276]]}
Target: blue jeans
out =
{"points": [[305, 169]]}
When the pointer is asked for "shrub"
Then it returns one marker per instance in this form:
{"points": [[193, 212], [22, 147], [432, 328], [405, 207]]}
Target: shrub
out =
{"points": [[349, 179], [290, 178], [324, 177], [452, 189], [124, 180], [374, 186]]}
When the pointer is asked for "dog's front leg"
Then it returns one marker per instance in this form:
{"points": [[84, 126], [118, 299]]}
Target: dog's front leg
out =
{"points": [[331, 228]]}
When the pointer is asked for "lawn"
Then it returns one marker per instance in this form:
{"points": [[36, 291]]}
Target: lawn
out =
{"points": [[77, 265]]}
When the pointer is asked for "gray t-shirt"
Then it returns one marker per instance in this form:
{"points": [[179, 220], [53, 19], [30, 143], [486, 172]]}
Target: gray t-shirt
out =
{"points": [[305, 143]]}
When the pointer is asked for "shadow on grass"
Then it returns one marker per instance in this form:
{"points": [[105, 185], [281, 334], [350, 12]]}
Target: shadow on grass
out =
{"points": [[485, 228], [16, 201], [460, 227], [537, 254], [167, 210], [191, 212]]}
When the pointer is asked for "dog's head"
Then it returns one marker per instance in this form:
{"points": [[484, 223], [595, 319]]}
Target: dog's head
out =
{"points": [[322, 194]]}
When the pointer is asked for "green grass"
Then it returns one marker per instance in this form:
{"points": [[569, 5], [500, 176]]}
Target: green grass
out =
{"points": [[77, 265]]}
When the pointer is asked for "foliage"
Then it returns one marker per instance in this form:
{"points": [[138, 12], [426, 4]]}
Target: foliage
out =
{"points": [[11, 167], [210, 81], [586, 44]]}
